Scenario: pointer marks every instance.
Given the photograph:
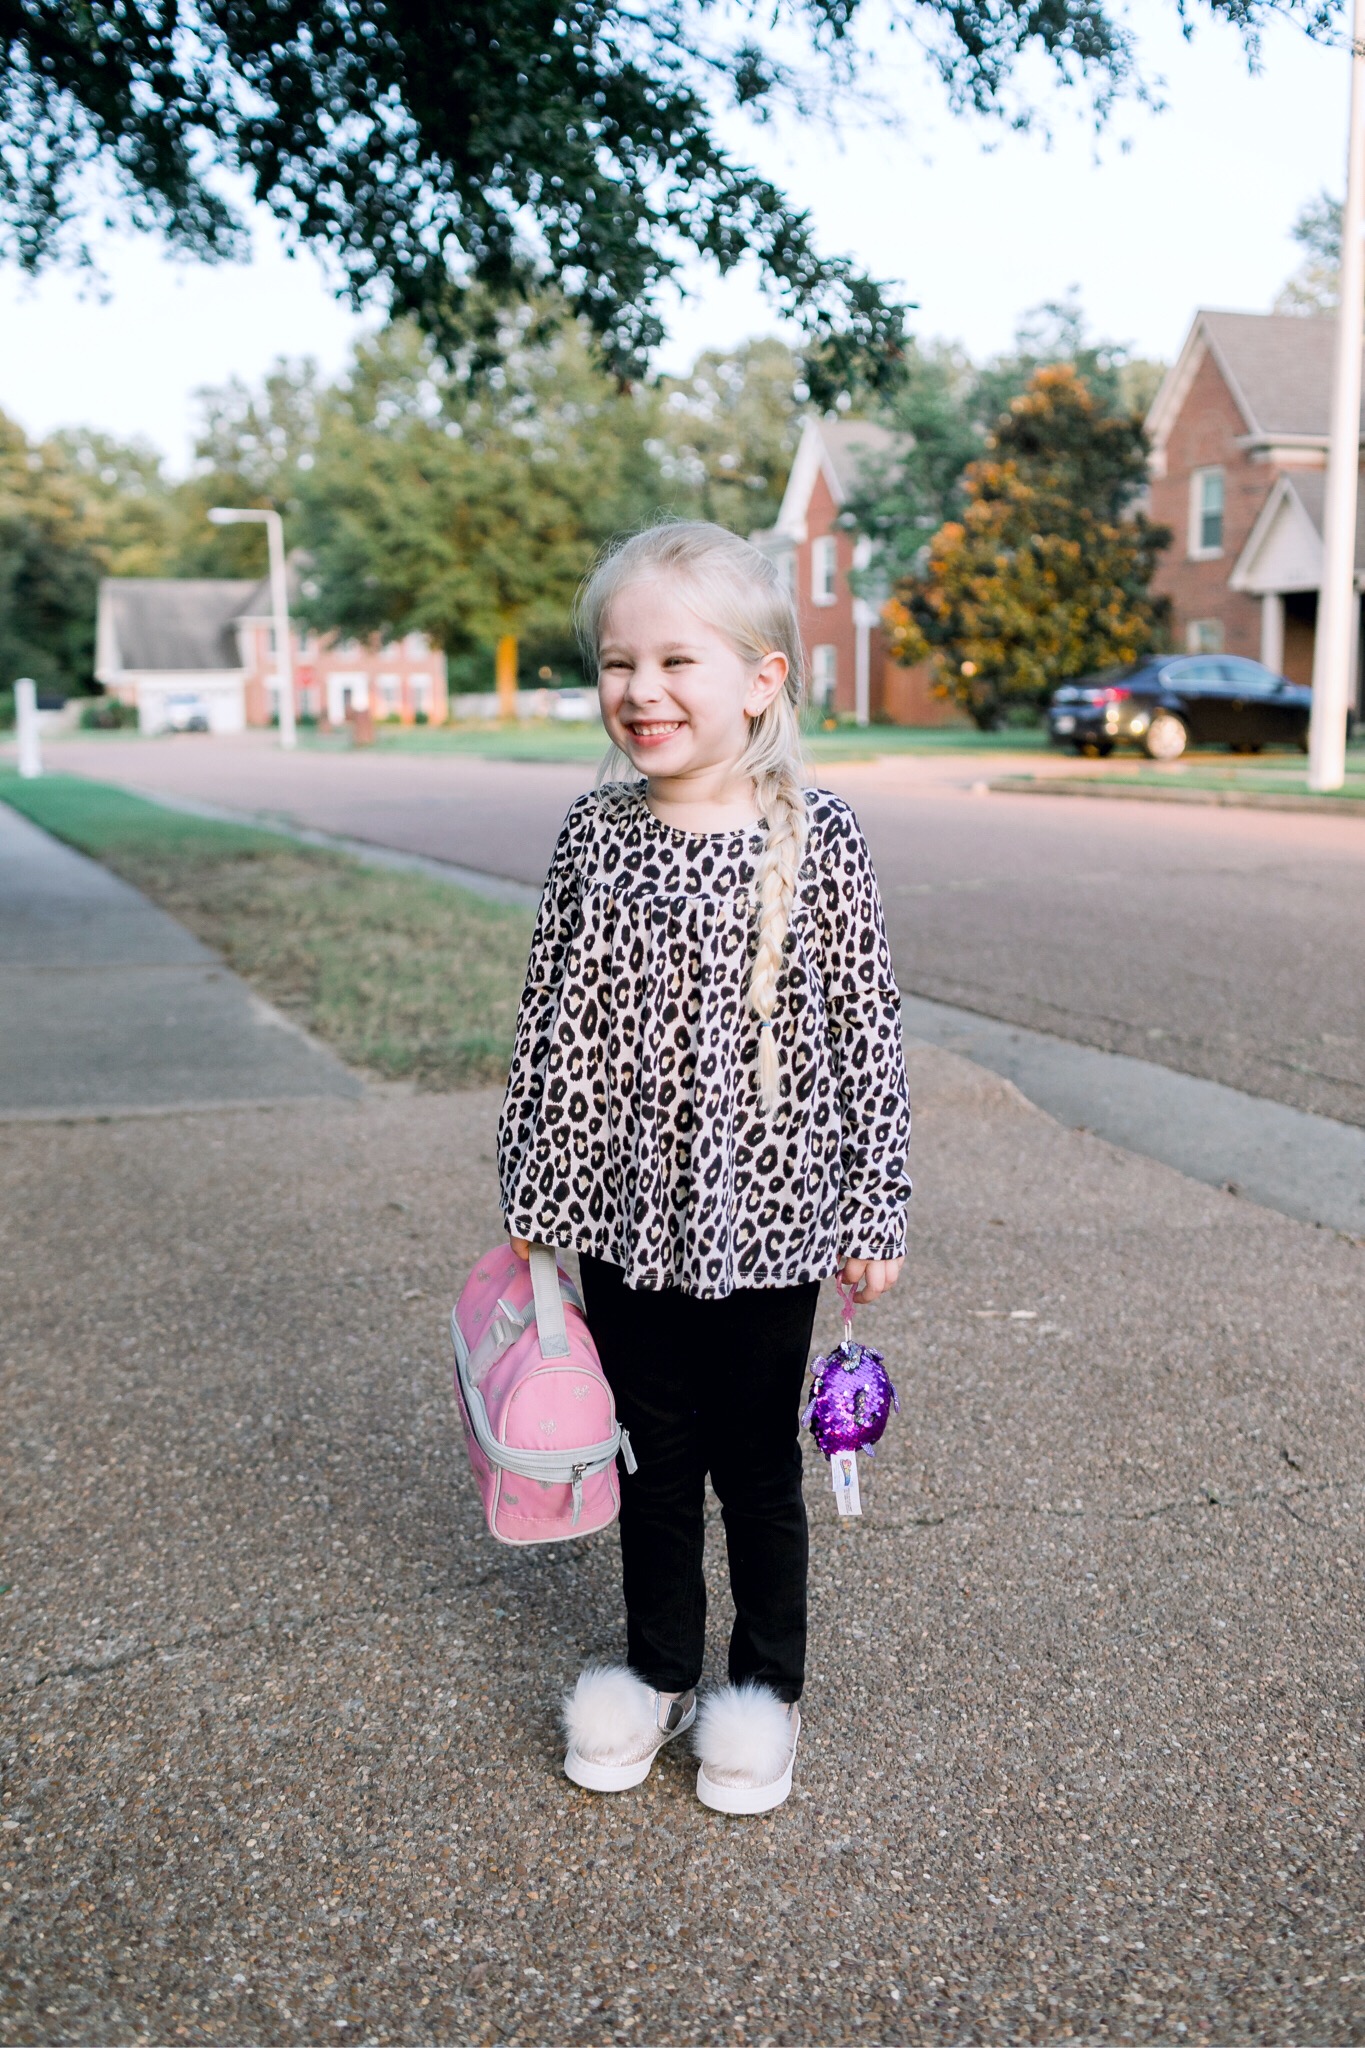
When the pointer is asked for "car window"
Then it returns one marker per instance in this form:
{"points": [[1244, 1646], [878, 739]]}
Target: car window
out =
{"points": [[1195, 675], [1249, 677]]}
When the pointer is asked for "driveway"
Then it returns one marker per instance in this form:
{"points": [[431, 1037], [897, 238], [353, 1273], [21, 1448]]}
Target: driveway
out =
{"points": [[1082, 1741]]}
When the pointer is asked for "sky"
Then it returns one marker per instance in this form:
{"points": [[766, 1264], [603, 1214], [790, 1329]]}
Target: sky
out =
{"points": [[1164, 212]]}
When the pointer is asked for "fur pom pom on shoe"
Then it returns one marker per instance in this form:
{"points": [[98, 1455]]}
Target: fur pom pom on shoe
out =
{"points": [[746, 1740], [616, 1726]]}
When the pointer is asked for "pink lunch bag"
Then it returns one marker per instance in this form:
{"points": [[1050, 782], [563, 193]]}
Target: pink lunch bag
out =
{"points": [[540, 1424]]}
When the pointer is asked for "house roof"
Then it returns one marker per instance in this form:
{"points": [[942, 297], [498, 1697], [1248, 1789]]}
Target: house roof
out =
{"points": [[168, 623], [853, 445], [260, 603], [841, 451], [1283, 551], [1281, 364], [1277, 366]]}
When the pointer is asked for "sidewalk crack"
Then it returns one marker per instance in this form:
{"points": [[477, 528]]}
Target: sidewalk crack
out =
{"points": [[1207, 1497]]}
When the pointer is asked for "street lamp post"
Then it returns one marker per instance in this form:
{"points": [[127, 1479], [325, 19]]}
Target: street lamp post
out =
{"points": [[232, 515], [1338, 606]]}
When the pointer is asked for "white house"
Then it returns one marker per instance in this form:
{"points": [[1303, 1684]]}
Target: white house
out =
{"points": [[160, 638]]}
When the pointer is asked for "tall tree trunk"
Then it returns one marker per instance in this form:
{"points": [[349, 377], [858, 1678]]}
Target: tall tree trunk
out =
{"points": [[505, 669]]}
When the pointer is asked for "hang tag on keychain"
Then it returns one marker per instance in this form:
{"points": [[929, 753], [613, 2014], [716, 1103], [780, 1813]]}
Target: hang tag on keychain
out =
{"points": [[843, 1467]]}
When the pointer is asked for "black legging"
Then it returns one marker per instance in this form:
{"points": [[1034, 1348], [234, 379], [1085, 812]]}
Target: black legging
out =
{"points": [[709, 1386]]}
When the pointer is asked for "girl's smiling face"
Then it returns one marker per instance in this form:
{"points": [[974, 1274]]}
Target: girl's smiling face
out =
{"points": [[676, 695]]}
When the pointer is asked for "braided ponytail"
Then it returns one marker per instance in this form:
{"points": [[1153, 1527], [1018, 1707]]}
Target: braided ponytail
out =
{"points": [[745, 595], [782, 800]]}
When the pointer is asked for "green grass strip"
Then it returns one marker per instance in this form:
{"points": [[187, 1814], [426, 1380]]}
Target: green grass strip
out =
{"points": [[406, 977], [555, 740]]}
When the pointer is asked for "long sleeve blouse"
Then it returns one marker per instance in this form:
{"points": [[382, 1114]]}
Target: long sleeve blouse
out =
{"points": [[633, 1126]]}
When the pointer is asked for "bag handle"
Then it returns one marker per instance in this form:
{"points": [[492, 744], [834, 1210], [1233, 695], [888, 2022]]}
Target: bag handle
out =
{"points": [[552, 1332]]}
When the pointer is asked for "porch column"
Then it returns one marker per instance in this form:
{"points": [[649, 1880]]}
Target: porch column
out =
{"points": [[1272, 631], [862, 662]]}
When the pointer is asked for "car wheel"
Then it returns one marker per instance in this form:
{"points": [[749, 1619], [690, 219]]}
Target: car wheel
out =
{"points": [[1167, 737], [1104, 748]]}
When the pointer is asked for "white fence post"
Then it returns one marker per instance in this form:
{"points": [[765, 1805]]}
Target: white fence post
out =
{"points": [[26, 719]]}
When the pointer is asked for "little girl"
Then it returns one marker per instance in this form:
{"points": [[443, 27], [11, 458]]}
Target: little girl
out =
{"points": [[708, 1102]]}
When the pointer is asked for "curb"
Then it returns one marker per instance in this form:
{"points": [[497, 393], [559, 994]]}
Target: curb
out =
{"points": [[495, 888], [1145, 793]]}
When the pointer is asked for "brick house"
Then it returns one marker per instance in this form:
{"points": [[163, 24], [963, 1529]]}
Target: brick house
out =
{"points": [[212, 638], [1239, 459], [851, 671]]}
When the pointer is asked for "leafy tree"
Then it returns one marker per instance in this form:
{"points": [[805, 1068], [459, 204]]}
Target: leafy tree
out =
{"points": [[727, 431], [468, 512], [49, 567], [1315, 286], [1055, 332], [253, 448], [904, 497], [129, 504], [944, 412], [1046, 575], [501, 143]]}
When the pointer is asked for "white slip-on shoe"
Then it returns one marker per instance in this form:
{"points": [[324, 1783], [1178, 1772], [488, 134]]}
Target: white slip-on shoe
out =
{"points": [[746, 1738], [616, 1727]]}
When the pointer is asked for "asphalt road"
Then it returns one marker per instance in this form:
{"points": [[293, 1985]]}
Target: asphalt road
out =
{"points": [[1226, 944], [1081, 1753]]}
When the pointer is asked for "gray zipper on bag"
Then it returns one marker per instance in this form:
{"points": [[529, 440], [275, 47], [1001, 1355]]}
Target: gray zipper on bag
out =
{"points": [[549, 1467]]}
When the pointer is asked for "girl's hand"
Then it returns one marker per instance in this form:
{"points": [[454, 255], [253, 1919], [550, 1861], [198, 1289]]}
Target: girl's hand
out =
{"points": [[519, 1246], [870, 1277]]}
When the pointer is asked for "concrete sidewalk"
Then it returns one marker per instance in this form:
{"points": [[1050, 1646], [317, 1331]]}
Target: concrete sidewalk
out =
{"points": [[1083, 1734], [108, 1006]]}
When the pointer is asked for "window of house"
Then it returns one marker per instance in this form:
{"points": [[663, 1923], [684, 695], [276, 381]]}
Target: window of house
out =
{"points": [[390, 692], [824, 674], [419, 688], [824, 564], [1204, 636], [1206, 513]]}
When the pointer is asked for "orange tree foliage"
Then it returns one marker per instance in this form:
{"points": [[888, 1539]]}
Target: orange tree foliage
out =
{"points": [[1047, 573]]}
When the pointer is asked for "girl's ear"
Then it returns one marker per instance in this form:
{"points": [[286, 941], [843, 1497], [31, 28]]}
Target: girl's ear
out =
{"points": [[768, 683]]}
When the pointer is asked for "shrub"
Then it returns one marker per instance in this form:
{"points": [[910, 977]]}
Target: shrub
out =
{"points": [[108, 714]]}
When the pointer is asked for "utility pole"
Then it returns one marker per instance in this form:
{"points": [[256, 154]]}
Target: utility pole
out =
{"points": [[1338, 606], [232, 515]]}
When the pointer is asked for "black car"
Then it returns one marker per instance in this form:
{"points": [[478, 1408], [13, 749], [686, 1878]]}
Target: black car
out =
{"points": [[1174, 701]]}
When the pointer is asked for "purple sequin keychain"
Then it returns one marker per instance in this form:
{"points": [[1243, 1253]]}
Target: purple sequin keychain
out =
{"points": [[850, 1406]]}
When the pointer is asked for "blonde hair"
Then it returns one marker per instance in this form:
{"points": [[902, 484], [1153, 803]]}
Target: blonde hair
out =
{"points": [[745, 596]]}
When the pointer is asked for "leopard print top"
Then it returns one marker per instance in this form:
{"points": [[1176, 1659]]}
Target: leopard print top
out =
{"points": [[633, 1127]]}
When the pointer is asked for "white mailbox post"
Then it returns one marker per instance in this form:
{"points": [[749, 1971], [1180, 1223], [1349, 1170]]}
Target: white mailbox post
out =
{"points": [[26, 720]]}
